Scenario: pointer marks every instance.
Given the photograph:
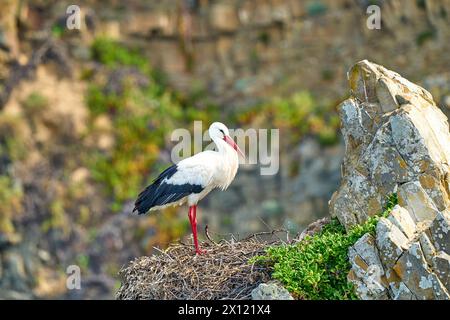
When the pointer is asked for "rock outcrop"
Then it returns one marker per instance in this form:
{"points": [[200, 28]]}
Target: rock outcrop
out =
{"points": [[271, 291], [407, 260], [396, 140]]}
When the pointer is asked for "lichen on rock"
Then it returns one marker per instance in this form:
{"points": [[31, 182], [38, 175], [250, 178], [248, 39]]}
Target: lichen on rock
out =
{"points": [[396, 138], [271, 291], [397, 147], [403, 147]]}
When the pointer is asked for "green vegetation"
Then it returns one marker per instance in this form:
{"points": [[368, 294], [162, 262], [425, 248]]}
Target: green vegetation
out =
{"points": [[300, 114], [424, 36], [421, 4], [35, 101], [13, 145], [10, 203], [141, 118], [112, 54], [316, 8], [58, 220], [317, 267], [57, 30]]}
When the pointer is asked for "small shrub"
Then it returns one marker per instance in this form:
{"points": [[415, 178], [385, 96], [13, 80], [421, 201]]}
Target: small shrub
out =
{"points": [[10, 203], [141, 117], [317, 267], [300, 114], [35, 101], [58, 218], [13, 138], [113, 54], [424, 36], [316, 8]]}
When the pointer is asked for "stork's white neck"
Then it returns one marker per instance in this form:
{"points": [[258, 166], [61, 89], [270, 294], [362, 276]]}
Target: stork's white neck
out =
{"points": [[222, 146], [228, 165]]}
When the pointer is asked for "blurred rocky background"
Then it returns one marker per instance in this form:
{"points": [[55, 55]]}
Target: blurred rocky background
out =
{"points": [[86, 117]]}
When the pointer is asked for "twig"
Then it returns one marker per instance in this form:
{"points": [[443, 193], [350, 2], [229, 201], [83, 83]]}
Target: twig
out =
{"points": [[164, 253], [208, 236], [273, 232]]}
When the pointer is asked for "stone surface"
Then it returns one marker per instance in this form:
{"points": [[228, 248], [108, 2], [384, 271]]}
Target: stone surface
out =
{"points": [[271, 291], [440, 231], [224, 17], [404, 293], [367, 273], [441, 265], [401, 267], [417, 276], [415, 199], [401, 218], [396, 141], [391, 242]]}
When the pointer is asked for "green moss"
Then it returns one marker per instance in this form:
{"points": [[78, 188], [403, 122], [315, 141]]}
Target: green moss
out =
{"points": [[141, 117], [421, 4], [35, 101], [57, 219], [264, 37], [317, 267], [114, 54], [301, 114], [316, 8], [57, 31], [82, 261], [99, 102], [327, 74], [10, 203], [13, 142], [424, 36]]}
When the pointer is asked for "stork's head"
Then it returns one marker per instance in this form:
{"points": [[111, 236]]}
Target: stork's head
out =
{"points": [[218, 130]]}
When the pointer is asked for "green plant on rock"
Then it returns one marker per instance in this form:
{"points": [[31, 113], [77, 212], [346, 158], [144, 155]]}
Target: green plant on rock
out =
{"points": [[13, 139], [317, 267], [58, 219], [113, 54], [301, 114], [10, 203], [316, 8], [139, 121], [141, 117], [35, 101]]}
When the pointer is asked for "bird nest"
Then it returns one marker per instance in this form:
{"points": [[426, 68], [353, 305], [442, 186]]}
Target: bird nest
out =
{"points": [[225, 272]]}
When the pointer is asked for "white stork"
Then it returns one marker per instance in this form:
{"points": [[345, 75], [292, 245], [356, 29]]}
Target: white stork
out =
{"points": [[193, 178]]}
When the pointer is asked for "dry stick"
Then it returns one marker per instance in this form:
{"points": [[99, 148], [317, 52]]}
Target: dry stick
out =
{"points": [[273, 232], [208, 236], [164, 253], [222, 274]]}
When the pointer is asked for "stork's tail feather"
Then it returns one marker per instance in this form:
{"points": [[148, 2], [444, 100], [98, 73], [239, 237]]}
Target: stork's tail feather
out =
{"points": [[163, 193], [145, 200]]}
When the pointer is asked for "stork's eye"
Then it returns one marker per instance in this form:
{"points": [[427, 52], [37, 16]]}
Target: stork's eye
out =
{"points": [[222, 131]]}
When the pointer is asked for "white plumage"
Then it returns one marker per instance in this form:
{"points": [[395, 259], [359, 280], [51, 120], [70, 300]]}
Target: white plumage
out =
{"points": [[194, 177]]}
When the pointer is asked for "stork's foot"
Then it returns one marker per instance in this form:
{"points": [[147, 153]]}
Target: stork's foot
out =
{"points": [[200, 252]]}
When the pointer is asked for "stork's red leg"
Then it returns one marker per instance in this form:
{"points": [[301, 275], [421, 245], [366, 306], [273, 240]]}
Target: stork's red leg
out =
{"points": [[193, 221]]}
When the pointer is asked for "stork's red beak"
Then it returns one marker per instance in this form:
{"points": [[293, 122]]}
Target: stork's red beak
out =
{"points": [[233, 145]]}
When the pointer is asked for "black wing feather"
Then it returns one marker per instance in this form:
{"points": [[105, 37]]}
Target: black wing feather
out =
{"points": [[160, 193]]}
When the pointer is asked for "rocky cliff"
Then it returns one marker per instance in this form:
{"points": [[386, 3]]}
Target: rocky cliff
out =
{"points": [[397, 141], [63, 201]]}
